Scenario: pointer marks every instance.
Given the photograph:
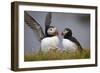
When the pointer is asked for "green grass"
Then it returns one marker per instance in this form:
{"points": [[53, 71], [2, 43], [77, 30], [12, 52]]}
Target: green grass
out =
{"points": [[57, 55]]}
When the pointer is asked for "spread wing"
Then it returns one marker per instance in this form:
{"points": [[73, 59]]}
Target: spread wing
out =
{"points": [[34, 25], [47, 21]]}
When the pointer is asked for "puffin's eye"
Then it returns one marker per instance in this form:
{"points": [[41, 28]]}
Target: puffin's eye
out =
{"points": [[51, 29]]}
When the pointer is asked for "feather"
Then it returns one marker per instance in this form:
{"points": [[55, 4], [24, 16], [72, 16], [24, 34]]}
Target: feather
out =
{"points": [[34, 25], [48, 19], [47, 22]]}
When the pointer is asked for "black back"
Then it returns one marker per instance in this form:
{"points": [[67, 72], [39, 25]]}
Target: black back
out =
{"points": [[73, 39]]}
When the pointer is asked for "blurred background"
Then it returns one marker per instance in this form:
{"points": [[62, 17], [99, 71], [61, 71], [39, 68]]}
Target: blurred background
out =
{"points": [[78, 23]]}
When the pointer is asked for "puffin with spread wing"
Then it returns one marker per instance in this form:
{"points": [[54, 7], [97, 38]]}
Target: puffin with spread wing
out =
{"points": [[49, 39]]}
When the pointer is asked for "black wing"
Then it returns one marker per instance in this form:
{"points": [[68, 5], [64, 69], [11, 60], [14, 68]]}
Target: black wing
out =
{"points": [[47, 21], [34, 25], [73, 39]]}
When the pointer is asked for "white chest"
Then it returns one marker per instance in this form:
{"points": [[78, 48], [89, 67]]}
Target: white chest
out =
{"points": [[69, 45], [49, 42]]}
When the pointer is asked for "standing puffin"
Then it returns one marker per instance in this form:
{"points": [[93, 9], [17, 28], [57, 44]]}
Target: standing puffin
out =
{"points": [[49, 39], [69, 42]]}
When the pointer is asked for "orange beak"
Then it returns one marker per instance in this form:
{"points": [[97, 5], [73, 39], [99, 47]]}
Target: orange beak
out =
{"points": [[62, 34]]}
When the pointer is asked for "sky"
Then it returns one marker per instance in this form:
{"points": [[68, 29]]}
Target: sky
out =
{"points": [[78, 23]]}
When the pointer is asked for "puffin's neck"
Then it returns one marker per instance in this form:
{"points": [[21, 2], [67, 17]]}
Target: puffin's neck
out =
{"points": [[50, 35], [65, 37], [68, 35]]}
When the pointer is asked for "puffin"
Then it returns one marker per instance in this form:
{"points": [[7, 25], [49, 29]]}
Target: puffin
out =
{"points": [[51, 40], [70, 43], [49, 37]]}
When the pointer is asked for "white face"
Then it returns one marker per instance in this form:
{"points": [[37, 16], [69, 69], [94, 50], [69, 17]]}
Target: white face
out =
{"points": [[65, 32], [52, 31]]}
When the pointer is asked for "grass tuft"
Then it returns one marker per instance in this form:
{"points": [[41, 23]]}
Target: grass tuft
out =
{"points": [[57, 55]]}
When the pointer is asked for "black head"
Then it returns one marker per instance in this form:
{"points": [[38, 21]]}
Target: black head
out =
{"points": [[51, 31], [67, 33]]}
